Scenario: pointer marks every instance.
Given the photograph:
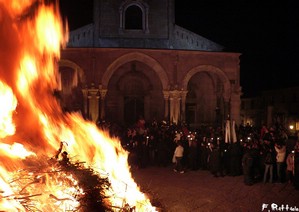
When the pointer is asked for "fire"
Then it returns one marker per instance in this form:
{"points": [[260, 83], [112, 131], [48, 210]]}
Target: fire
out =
{"points": [[33, 175], [6, 110]]}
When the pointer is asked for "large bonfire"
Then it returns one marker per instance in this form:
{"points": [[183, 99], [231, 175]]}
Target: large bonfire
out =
{"points": [[50, 160]]}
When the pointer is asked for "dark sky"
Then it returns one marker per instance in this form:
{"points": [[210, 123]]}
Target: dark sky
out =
{"points": [[265, 32]]}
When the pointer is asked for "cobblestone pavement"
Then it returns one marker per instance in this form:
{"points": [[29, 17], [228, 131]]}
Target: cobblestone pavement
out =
{"points": [[200, 191]]}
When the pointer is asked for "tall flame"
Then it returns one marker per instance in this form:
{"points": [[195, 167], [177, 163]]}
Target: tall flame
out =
{"points": [[32, 123], [6, 110]]}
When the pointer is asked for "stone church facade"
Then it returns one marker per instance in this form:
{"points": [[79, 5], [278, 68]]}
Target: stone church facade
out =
{"points": [[133, 61]]}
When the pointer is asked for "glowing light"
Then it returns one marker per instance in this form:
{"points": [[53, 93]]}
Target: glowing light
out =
{"points": [[32, 116], [16, 150], [7, 107]]}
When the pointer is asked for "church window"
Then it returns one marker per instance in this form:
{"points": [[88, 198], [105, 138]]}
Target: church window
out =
{"points": [[133, 17]]}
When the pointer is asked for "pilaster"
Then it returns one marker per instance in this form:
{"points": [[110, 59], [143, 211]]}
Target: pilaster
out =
{"points": [[175, 109], [166, 105], [103, 93], [183, 105]]}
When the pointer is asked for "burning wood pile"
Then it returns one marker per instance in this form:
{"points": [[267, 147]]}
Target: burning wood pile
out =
{"points": [[32, 123], [80, 188]]}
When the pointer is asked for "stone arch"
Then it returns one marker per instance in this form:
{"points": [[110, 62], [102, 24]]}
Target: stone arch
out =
{"points": [[151, 62], [78, 70], [211, 69]]}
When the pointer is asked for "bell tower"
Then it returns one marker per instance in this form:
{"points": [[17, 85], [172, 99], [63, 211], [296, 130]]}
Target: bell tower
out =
{"points": [[133, 23]]}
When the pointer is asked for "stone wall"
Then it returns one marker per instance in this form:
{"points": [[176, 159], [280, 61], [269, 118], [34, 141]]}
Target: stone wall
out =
{"points": [[167, 74]]}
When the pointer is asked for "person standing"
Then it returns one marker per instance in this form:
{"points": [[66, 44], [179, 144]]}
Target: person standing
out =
{"points": [[247, 164], [235, 159], [193, 154], [280, 161], [296, 166], [178, 155], [215, 161], [269, 161], [290, 167]]}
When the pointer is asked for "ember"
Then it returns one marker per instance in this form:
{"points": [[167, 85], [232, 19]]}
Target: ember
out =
{"points": [[78, 188], [91, 172]]}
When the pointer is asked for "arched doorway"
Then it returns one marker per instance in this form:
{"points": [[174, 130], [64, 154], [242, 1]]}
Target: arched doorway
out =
{"points": [[202, 101], [208, 95], [133, 108], [134, 86], [134, 91]]}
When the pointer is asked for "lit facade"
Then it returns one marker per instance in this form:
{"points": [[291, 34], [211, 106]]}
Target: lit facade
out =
{"points": [[135, 61]]}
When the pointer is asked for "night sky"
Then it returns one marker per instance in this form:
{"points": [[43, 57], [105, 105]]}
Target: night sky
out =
{"points": [[265, 32]]}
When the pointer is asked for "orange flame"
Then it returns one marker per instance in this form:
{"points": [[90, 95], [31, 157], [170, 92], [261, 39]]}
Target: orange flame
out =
{"points": [[6, 110], [32, 35]]}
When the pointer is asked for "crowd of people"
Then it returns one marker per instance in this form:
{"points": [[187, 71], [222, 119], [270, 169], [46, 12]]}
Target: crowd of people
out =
{"points": [[268, 155]]}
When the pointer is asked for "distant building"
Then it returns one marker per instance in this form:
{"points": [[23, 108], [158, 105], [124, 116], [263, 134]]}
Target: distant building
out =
{"points": [[133, 61], [272, 107]]}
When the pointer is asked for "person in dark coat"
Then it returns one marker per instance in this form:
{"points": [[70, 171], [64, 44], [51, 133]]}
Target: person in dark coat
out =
{"points": [[235, 159], [296, 166], [247, 164], [203, 156], [193, 155], [269, 162], [214, 162]]}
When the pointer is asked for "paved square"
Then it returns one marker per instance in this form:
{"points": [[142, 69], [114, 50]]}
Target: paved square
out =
{"points": [[200, 191]]}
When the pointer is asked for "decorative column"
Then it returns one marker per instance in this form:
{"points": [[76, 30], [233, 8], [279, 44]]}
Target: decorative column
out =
{"points": [[85, 101], [121, 28], [171, 109], [175, 98], [147, 108], [183, 106], [219, 109], [146, 20], [226, 109], [93, 99], [166, 105], [103, 93], [235, 105]]}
